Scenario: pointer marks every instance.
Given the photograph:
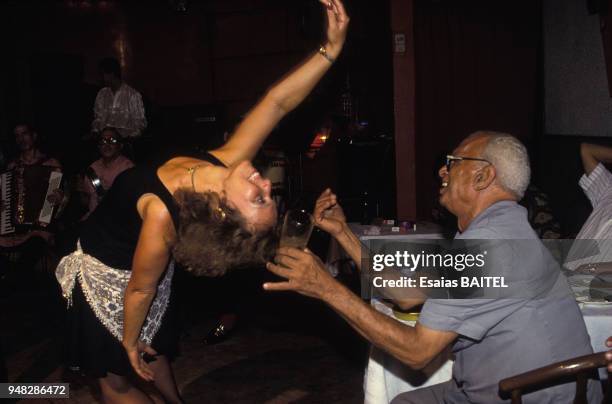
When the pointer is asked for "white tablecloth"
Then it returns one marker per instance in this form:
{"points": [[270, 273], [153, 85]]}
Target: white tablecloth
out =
{"points": [[385, 377], [597, 315], [598, 320]]}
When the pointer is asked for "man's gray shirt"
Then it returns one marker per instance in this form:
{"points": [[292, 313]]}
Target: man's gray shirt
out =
{"points": [[499, 338]]}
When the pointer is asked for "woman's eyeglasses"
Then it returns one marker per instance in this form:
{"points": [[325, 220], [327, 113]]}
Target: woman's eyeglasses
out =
{"points": [[108, 140], [450, 159]]}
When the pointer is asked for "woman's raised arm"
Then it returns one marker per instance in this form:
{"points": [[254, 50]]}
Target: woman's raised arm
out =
{"points": [[288, 92]]}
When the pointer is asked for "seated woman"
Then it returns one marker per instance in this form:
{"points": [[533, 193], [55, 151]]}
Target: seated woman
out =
{"points": [[209, 212]]}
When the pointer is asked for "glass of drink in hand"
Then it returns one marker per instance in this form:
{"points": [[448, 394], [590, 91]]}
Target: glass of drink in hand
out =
{"points": [[296, 230]]}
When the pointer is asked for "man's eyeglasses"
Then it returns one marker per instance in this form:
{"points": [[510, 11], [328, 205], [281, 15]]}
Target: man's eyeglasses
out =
{"points": [[108, 140], [450, 158]]}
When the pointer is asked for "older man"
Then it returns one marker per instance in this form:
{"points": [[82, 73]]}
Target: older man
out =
{"points": [[492, 339]]}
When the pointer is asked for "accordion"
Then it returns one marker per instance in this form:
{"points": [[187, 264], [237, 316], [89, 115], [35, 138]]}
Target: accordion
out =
{"points": [[23, 197]]}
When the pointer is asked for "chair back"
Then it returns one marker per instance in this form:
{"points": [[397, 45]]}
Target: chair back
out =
{"points": [[578, 368]]}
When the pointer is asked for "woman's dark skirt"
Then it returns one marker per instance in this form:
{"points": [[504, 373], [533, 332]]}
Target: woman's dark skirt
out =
{"points": [[95, 351]]}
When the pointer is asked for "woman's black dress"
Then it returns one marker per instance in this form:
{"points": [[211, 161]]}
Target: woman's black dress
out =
{"points": [[110, 234]]}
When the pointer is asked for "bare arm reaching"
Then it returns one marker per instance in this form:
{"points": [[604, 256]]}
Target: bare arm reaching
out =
{"points": [[287, 93], [593, 154]]}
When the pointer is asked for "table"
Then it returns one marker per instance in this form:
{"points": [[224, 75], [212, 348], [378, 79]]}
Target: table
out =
{"points": [[385, 377], [597, 315], [598, 320]]}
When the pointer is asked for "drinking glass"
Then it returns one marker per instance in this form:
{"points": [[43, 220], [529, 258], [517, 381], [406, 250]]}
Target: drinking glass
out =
{"points": [[297, 228]]}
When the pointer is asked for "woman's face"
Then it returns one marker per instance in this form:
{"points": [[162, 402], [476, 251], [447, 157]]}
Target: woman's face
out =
{"points": [[248, 192], [109, 145]]}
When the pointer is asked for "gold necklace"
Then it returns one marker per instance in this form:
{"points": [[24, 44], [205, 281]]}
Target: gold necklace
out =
{"points": [[191, 171]]}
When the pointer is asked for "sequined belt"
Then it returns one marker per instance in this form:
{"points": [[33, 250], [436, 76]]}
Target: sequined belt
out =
{"points": [[104, 289]]}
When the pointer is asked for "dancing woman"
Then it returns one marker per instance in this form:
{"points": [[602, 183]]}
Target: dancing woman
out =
{"points": [[209, 212]]}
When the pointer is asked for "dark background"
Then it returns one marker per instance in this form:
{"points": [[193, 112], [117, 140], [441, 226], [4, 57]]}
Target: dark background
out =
{"points": [[478, 66], [199, 72]]}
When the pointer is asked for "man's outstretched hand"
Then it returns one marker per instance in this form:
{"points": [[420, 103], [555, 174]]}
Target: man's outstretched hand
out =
{"points": [[304, 271]]}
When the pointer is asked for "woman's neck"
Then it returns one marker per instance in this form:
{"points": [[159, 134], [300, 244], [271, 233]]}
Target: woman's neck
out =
{"points": [[206, 176], [107, 161]]}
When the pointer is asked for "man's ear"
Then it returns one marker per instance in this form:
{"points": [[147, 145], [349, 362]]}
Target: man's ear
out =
{"points": [[484, 178]]}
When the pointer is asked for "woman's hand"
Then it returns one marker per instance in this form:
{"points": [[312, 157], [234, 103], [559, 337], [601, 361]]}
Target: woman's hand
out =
{"points": [[328, 214], [337, 26], [135, 355]]}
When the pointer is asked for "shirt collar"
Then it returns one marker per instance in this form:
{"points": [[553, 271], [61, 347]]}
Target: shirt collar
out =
{"points": [[490, 211]]}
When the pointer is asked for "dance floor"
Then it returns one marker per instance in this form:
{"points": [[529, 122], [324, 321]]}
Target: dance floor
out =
{"points": [[287, 349]]}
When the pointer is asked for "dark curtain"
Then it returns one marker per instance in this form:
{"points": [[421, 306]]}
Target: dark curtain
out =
{"points": [[477, 67], [3, 372]]}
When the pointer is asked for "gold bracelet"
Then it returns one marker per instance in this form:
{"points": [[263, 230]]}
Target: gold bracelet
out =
{"points": [[323, 52]]}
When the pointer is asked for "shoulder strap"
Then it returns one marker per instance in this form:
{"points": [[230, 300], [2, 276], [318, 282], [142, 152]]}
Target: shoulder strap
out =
{"points": [[212, 159]]}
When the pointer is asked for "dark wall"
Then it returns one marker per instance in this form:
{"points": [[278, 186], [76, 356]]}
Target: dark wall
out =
{"points": [[216, 52], [218, 55], [477, 68]]}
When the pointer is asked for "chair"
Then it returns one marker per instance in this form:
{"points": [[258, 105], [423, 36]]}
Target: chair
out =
{"points": [[578, 368]]}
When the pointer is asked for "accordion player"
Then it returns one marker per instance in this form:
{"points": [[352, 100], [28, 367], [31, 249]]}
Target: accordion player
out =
{"points": [[24, 194]]}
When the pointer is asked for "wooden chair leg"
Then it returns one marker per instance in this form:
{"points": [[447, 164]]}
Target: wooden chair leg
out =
{"points": [[517, 397], [581, 389]]}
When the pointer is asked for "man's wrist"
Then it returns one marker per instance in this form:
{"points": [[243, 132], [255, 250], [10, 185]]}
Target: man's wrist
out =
{"points": [[344, 233], [330, 291]]}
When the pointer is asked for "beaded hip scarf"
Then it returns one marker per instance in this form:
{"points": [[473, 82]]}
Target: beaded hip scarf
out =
{"points": [[104, 288]]}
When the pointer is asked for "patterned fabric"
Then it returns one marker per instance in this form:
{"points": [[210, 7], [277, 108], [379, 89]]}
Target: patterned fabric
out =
{"points": [[104, 288], [122, 110], [597, 186], [540, 214]]}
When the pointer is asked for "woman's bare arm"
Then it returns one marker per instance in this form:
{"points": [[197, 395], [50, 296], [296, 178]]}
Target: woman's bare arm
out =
{"points": [[286, 94], [150, 261]]}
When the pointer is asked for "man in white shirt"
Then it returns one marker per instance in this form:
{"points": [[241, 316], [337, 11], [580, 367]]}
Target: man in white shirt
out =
{"points": [[596, 255], [117, 104]]}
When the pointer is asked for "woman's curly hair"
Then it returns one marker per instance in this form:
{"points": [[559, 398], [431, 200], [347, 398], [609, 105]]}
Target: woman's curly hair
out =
{"points": [[213, 238]]}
